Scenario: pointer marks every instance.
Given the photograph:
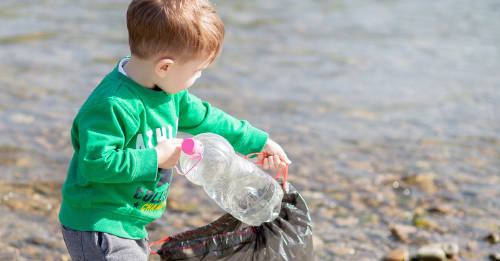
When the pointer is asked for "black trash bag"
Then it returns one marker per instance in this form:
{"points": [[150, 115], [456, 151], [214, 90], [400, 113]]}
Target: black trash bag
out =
{"points": [[288, 237]]}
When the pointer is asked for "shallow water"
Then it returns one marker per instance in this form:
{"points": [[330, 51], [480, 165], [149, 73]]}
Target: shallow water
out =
{"points": [[369, 98]]}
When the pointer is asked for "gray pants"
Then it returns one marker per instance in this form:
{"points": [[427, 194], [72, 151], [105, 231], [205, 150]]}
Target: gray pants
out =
{"points": [[94, 246]]}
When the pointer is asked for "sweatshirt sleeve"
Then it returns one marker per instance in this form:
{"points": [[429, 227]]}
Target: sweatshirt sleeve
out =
{"points": [[103, 131], [197, 116]]}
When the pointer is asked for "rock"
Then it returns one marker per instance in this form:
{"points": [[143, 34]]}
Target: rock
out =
{"points": [[421, 238], [342, 250], [399, 254], [31, 250], [317, 242], [8, 252], [39, 241], [196, 221], [424, 181], [495, 257], [450, 249], [401, 232], [432, 252], [442, 209], [424, 222], [471, 246], [493, 238], [65, 258], [347, 222]]}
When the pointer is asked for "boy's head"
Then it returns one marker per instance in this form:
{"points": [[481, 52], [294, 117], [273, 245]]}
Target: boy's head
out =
{"points": [[176, 38], [179, 29]]}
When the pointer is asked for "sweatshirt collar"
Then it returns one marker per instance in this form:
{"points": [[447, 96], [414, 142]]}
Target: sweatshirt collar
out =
{"points": [[146, 93]]}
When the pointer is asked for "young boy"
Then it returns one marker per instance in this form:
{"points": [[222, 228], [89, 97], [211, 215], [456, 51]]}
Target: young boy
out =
{"points": [[125, 131]]}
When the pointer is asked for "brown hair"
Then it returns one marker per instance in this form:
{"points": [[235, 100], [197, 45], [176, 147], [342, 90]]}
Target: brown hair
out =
{"points": [[182, 29]]}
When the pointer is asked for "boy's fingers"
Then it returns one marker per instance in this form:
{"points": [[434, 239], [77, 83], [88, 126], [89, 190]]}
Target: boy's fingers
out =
{"points": [[277, 161], [285, 159], [271, 162], [265, 165]]}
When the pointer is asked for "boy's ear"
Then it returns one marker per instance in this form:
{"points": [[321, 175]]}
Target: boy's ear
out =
{"points": [[162, 67]]}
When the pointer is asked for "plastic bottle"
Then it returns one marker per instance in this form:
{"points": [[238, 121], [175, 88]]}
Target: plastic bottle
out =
{"points": [[234, 183]]}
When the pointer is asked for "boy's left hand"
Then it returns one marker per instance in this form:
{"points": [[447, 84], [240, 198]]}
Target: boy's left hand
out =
{"points": [[277, 157]]}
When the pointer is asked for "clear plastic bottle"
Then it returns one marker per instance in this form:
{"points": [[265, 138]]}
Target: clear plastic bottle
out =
{"points": [[234, 183]]}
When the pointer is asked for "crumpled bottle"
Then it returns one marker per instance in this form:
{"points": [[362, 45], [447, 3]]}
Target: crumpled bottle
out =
{"points": [[234, 183]]}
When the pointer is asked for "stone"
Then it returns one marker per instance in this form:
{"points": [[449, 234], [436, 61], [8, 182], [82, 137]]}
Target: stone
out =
{"points": [[495, 257], [347, 222], [442, 209], [65, 258], [196, 221], [401, 232], [425, 222], [450, 249], [8, 252], [421, 238], [424, 181], [342, 250], [432, 252], [471, 246], [398, 254], [493, 238], [317, 242], [39, 241]]}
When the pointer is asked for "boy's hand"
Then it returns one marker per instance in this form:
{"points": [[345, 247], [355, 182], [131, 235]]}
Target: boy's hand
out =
{"points": [[168, 153], [277, 158]]}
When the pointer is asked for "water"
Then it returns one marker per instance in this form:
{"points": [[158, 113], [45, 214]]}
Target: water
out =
{"points": [[360, 93]]}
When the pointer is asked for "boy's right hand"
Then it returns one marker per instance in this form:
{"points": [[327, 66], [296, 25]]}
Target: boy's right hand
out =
{"points": [[168, 153]]}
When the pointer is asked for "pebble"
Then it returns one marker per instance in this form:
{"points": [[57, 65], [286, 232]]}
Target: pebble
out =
{"points": [[196, 221], [427, 223], [424, 181], [39, 241], [398, 254], [450, 249], [493, 238], [402, 232], [495, 257], [471, 246], [343, 250], [317, 242], [432, 252], [347, 222], [421, 238], [442, 209], [8, 252]]}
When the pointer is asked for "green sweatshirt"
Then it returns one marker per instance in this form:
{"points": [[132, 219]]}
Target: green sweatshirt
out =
{"points": [[113, 184]]}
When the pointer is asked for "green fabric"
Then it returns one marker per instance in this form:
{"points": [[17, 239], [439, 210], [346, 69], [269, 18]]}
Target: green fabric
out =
{"points": [[113, 184]]}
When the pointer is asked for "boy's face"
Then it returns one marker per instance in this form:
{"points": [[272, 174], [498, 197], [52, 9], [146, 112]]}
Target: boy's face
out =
{"points": [[178, 76]]}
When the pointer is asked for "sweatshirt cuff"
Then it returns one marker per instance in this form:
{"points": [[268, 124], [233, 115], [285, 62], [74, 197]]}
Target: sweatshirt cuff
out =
{"points": [[255, 141], [146, 165]]}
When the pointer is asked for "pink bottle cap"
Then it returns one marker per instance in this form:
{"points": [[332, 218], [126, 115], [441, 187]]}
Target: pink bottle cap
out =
{"points": [[190, 146]]}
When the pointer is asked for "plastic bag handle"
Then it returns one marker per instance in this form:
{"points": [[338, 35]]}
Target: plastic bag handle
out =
{"points": [[155, 243], [283, 170]]}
